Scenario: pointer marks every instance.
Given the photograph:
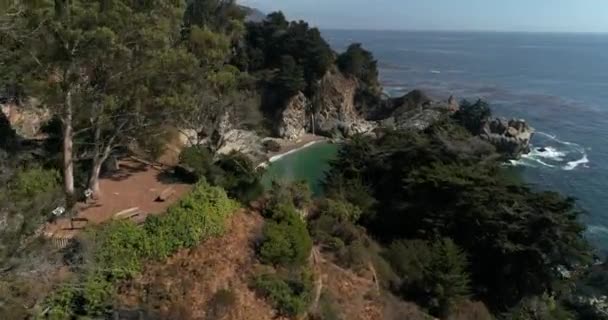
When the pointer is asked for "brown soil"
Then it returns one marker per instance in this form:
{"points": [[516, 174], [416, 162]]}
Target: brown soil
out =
{"points": [[136, 184], [184, 286], [187, 284], [359, 297]]}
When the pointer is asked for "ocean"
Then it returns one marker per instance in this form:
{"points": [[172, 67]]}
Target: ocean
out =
{"points": [[557, 82]]}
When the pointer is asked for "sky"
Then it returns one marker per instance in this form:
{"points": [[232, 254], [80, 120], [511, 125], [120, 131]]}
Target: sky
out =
{"points": [[456, 15]]}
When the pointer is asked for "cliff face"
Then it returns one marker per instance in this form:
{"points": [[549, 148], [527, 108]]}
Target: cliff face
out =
{"points": [[336, 111], [26, 120], [293, 120]]}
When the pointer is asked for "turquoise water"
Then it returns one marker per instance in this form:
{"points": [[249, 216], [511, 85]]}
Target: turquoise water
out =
{"points": [[308, 164]]}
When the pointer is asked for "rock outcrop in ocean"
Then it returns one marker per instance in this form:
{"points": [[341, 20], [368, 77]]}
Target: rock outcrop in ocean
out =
{"points": [[510, 137]]}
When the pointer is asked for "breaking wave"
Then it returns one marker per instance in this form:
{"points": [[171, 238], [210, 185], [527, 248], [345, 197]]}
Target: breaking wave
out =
{"points": [[550, 152]]}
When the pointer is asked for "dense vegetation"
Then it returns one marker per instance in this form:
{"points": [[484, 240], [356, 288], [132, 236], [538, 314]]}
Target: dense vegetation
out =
{"points": [[286, 247], [235, 172], [452, 222]]}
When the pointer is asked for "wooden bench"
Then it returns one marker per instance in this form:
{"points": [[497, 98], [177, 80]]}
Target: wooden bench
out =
{"points": [[127, 214], [83, 223], [165, 195]]}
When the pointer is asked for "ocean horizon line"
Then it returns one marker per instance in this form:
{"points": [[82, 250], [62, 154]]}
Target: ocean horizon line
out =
{"points": [[463, 31]]}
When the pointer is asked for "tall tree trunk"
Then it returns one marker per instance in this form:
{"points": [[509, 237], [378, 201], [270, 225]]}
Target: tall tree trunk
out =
{"points": [[94, 177], [68, 145], [99, 157]]}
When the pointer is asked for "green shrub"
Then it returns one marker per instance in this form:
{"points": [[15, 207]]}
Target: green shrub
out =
{"points": [[234, 172], [61, 303], [32, 182], [289, 295], [199, 215], [296, 194], [119, 248], [342, 210], [240, 178], [199, 161], [97, 292], [286, 239]]}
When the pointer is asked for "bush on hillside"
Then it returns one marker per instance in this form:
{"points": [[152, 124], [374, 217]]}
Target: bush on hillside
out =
{"points": [[198, 161], [296, 194], [291, 296], [340, 209], [286, 240], [240, 178], [199, 215], [29, 183], [234, 172]]}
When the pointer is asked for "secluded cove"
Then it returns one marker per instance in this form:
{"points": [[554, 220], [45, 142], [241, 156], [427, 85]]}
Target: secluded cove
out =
{"points": [[308, 164]]}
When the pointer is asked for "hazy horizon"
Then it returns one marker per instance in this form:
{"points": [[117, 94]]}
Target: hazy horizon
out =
{"points": [[529, 16]]}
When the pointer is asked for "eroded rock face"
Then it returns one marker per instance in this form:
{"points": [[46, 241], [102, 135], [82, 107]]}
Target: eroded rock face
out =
{"points": [[510, 137], [245, 142], [27, 120], [293, 119], [336, 112]]}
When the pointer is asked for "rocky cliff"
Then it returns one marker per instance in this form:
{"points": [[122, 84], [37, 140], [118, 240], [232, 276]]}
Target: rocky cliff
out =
{"points": [[510, 137], [293, 120], [416, 110], [332, 111], [335, 107]]}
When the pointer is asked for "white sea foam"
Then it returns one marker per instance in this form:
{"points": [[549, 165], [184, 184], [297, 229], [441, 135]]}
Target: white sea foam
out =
{"points": [[555, 154], [574, 164], [550, 153], [435, 71], [597, 229]]}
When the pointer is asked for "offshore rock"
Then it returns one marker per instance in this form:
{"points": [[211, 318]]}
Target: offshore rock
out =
{"points": [[510, 137]]}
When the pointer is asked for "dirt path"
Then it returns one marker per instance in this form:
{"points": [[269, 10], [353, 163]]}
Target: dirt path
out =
{"points": [[136, 184]]}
